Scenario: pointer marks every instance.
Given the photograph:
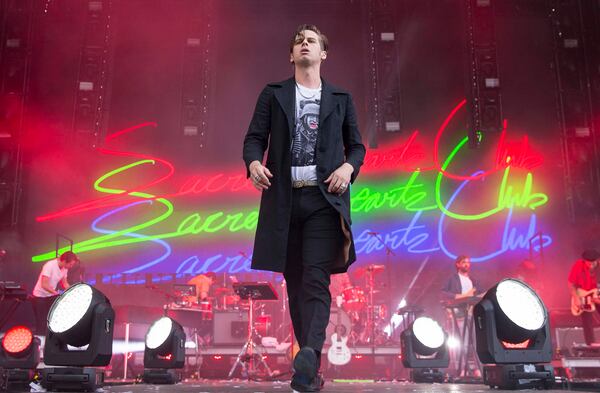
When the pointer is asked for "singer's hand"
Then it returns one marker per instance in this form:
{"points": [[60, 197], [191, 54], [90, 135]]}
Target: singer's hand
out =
{"points": [[260, 175], [340, 179]]}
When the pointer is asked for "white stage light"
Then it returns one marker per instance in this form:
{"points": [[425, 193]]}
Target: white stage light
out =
{"points": [[70, 308], [428, 332], [521, 305], [159, 332], [453, 342]]}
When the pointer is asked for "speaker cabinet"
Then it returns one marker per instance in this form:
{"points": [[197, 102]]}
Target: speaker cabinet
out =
{"points": [[230, 327]]}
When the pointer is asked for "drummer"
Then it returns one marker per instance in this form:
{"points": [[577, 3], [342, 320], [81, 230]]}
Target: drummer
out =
{"points": [[202, 282]]}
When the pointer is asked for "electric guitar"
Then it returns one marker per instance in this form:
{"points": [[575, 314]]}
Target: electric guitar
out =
{"points": [[585, 302], [339, 353]]}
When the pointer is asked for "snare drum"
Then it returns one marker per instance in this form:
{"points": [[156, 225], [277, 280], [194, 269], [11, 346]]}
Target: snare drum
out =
{"points": [[354, 299], [263, 324]]}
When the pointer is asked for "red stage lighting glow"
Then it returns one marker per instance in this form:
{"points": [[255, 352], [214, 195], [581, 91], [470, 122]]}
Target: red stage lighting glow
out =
{"points": [[522, 345], [17, 340], [217, 357]]}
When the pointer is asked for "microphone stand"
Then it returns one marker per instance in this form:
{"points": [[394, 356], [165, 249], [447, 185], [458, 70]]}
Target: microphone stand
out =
{"points": [[388, 253]]}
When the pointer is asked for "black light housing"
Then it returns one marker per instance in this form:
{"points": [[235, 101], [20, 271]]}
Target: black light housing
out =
{"points": [[424, 346], [82, 315], [19, 354], [164, 351], [512, 332]]}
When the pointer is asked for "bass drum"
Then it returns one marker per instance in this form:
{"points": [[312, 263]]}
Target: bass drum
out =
{"points": [[340, 319]]}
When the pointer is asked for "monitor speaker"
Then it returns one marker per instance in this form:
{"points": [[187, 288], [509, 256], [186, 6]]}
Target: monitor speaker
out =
{"points": [[230, 327]]}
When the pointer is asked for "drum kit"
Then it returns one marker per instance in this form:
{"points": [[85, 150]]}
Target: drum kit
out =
{"points": [[360, 315], [224, 300], [363, 314]]}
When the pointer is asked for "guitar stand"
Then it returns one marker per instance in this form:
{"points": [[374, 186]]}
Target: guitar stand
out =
{"points": [[250, 350]]}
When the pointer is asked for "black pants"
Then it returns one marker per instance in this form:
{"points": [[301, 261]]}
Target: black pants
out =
{"points": [[41, 307], [315, 240], [588, 325]]}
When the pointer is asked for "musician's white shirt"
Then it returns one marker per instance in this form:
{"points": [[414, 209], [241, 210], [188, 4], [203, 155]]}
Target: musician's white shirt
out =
{"points": [[465, 283], [55, 275]]}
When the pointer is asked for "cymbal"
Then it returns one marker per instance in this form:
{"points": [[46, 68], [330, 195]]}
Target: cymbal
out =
{"points": [[369, 269], [376, 268], [410, 309]]}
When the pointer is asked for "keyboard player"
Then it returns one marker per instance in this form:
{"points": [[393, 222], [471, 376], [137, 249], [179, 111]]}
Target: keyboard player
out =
{"points": [[459, 295]]}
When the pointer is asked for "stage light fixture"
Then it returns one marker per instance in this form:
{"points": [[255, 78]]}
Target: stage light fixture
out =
{"points": [[80, 334], [513, 337], [164, 352], [19, 354], [424, 350]]}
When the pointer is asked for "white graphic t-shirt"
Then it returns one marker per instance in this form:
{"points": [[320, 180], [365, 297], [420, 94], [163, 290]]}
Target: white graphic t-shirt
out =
{"points": [[304, 142]]}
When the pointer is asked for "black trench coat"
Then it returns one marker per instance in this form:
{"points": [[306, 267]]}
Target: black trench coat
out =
{"points": [[338, 141]]}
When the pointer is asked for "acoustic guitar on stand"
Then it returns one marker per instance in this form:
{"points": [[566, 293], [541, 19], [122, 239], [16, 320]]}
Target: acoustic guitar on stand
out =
{"points": [[585, 301]]}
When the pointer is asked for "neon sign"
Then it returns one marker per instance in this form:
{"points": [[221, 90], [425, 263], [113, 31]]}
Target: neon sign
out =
{"points": [[409, 208]]}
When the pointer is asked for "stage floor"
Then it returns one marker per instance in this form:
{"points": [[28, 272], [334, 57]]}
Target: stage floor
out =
{"points": [[278, 387]]}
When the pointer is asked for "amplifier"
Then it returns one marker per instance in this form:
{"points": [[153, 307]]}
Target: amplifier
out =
{"points": [[567, 338], [230, 327], [12, 290]]}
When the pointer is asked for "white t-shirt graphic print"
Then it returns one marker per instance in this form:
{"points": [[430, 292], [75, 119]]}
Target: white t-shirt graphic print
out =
{"points": [[304, 142]]}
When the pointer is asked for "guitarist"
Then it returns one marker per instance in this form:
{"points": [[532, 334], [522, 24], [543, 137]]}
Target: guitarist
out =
{"points": [[583, 277]]}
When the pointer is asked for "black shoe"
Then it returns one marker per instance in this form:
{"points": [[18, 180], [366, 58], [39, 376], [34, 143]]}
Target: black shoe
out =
{"points": [[320, 381], [301, 383], [305, 363]]}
